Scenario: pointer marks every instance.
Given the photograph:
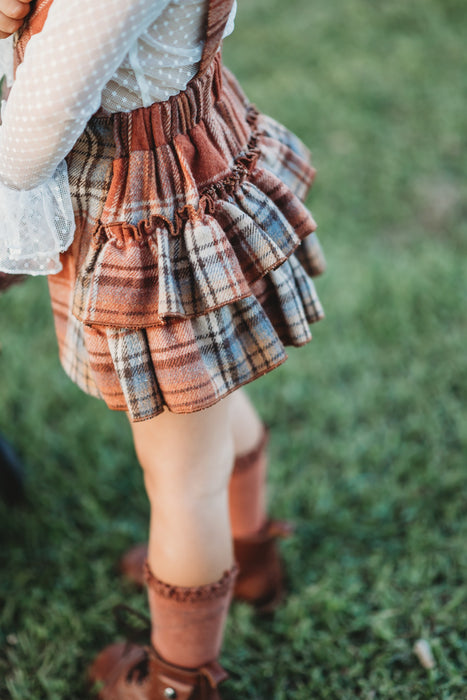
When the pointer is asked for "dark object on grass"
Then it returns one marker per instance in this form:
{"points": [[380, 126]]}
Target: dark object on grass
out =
{"points": [[11, 474], [7, 281]]}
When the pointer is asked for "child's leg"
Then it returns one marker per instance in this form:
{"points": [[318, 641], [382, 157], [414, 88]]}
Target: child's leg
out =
{"points": [[247, 427], [247, 490], [260, 578], [247, 438], [187, 461]]}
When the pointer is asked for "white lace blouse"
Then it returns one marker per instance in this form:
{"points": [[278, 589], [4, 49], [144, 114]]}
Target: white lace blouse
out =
{"points": [[121, 54]]}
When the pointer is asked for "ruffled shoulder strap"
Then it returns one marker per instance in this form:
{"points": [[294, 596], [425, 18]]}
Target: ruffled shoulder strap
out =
{"points": [[217, 18]]}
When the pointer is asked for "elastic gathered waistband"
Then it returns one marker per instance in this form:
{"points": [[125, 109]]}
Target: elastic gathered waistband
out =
{"points": [[147, 128]]}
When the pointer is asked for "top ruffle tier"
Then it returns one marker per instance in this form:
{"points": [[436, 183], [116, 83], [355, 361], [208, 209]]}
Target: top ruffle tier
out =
{"points": [[192, 223]]}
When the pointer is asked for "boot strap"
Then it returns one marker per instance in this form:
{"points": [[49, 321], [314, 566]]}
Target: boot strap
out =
{"points": [[214, 673], [182, 681]]}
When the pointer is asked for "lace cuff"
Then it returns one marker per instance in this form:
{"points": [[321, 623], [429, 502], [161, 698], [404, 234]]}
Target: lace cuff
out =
{"points": [[36, 226]]}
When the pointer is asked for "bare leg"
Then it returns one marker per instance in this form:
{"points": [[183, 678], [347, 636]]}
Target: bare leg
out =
{"points": [[187, 462], [158, 444], [247, 426]]}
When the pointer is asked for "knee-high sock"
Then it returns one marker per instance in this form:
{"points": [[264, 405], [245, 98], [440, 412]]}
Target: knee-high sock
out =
{"points": [[247, 491], [188, 623]]}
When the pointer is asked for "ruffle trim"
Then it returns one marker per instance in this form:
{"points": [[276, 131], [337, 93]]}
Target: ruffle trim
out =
{"points": [[221, 189], [190, 364], [195, 594]]}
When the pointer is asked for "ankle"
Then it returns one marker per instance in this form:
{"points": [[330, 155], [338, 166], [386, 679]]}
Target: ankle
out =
{"points": [[188, 622]]}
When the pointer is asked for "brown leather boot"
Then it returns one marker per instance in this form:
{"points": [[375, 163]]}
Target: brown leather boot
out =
{"points": [[260, 581], [130, 672], [132, 563], [187, 625]]}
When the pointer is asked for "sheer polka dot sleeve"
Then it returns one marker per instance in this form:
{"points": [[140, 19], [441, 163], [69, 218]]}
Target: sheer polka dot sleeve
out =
{"points": [[59, 85], [121, 54]]}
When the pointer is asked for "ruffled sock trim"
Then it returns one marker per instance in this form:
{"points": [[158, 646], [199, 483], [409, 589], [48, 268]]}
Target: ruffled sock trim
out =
{"points": [[191, 594]]}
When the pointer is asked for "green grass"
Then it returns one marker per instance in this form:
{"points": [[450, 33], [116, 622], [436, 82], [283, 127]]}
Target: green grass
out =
{"points": [[369, 437]]}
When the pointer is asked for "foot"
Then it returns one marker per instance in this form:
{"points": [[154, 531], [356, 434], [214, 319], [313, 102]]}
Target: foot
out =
{"points": [[260, 581], [130, 672]]}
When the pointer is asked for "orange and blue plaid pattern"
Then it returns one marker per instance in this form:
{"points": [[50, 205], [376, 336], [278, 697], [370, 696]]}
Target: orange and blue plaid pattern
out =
{"points": [[192, 265], [188, 275]]}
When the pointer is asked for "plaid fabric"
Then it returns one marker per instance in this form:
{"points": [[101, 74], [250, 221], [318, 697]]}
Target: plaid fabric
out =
{"points": [[192, 263], [186, 365], [218, 16]]}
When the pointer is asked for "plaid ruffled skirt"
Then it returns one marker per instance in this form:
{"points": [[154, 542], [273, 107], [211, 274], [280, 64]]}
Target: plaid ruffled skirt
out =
{"points": [[193, 259]]}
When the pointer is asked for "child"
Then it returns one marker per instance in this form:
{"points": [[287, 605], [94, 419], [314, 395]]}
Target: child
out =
{"points": [[180, 258]]}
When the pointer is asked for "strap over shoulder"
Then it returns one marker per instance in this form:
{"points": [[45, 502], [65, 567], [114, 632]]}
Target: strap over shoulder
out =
{"points": [[33, 25], [217, 18]]}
